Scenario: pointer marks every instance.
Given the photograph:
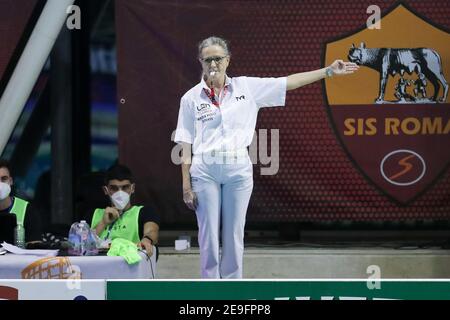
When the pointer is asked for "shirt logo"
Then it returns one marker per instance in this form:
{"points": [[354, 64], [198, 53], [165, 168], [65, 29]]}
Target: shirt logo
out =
{"points": [[240, 98], [205, 112], [203, 106]]}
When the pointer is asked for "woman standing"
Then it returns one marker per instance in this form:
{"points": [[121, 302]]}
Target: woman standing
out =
{"points": [[216, 122]]}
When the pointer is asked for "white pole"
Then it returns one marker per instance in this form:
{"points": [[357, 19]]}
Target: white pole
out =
{"points": [[30, 65]]}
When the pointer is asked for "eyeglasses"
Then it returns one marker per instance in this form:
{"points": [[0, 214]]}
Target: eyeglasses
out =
{"points": [[209, 60], [114, 188]]}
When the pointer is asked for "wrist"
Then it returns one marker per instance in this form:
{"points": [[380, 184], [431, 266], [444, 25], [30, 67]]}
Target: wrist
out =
{"points": [[100, 227], [106, 220], [148, 238], [329, 72]]}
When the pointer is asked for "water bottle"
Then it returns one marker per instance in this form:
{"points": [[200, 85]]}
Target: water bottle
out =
{"points": [[84, 235], [74, 240], [19, 236], [88, 241], [81, 240]]}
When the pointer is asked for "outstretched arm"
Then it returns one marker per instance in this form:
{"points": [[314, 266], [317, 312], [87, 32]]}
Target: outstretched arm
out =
{"points": [[338, 67]]}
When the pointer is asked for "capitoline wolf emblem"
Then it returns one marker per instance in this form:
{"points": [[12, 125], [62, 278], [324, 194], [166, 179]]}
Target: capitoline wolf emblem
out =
{"points": [[424, 63], [392, 117]]}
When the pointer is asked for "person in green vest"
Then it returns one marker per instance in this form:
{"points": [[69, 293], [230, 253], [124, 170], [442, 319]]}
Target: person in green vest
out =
{"points": [[11, 204], [137, 223]]}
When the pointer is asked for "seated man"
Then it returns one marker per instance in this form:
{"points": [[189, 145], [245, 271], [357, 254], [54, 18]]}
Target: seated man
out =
{"points": [[138, 224], [10, 204]]}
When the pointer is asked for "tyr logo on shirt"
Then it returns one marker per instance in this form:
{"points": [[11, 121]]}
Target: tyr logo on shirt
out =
{"points": [[240, 98]]}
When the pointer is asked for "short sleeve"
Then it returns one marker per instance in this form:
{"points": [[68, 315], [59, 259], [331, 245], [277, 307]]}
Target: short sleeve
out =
{"points": [[147, 214], [32, 224], [268, 92], [186, 124]]}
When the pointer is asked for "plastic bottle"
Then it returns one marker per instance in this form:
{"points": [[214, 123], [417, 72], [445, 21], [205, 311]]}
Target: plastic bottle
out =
{"points": [[19, 236], [89, 244], [84, 235], [74, 240], [94, 242], [81, 240]]}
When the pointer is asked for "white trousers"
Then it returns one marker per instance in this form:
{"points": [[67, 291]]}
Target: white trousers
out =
{"points": [[223, 191]]}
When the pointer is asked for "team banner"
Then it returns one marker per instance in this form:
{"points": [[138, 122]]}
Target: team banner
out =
{"points": [[14, 17], [393, 116], [278, 290], [371, 289], [373, 145], [74, 289]]}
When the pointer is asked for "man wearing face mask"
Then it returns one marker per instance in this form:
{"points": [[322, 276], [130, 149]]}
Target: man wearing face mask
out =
{"points": [[139, 224], [11, 204]]}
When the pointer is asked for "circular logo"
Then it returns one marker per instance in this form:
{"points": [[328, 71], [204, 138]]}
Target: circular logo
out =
{"points": [[403, 167]]}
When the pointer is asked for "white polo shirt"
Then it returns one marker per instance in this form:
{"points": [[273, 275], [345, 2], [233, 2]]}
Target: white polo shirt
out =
{"points": [[231, 125]]}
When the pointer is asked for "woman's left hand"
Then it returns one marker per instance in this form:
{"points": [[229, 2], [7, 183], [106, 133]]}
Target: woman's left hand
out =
{"points": [[340, 67]]}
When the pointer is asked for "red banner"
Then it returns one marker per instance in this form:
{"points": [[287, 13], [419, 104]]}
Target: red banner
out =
{"points": [[325, 162], [14, 17]]}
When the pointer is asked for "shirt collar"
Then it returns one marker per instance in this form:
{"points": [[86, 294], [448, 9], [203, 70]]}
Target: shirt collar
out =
{"points": [[206, 87]]}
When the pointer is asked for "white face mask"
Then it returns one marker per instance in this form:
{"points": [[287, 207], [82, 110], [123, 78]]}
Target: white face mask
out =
{"points": [[120, 199], [5, 190]]}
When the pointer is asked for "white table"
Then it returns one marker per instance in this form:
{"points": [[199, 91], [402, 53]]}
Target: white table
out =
{"points": [[75, 267]]}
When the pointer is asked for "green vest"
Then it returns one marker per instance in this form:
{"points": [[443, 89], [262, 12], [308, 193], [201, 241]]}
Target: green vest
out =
{"points": [[127, 226], [19, 209]]}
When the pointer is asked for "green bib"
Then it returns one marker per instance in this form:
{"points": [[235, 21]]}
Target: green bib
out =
{"points": [[19, 209], [126, 227]]}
